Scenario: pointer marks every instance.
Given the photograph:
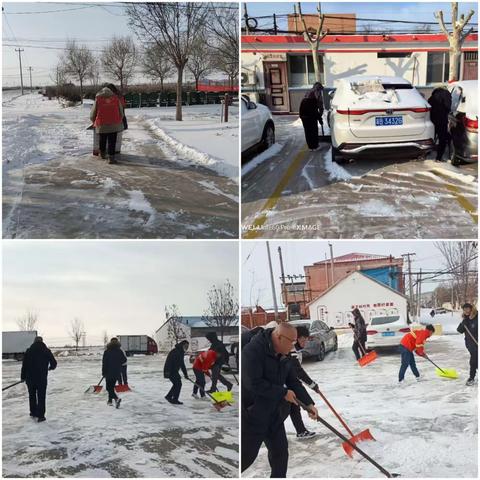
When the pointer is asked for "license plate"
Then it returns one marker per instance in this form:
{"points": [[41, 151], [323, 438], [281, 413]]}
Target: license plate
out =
{"points": [[388, 121], [388, 334]]}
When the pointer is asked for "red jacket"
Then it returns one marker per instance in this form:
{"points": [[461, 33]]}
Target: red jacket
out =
{"points": [[108, 111], [415, 340], [205, 360]]}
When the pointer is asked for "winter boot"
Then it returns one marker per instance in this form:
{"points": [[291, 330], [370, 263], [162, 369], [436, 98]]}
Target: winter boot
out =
{"points": [[305, 435], [470, 382], [176, 402], [418, 379], [117, 402], [230, 386], [41, 419], [109, 403], [195, 395], [103, 155], [111, 160]]}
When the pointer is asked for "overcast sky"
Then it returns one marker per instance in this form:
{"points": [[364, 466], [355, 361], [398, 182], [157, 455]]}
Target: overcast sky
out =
{"points": [[296, 254], [121, 287]]}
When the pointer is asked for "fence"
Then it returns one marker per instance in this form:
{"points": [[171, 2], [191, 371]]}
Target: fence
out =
{"points": [[169, 99]]}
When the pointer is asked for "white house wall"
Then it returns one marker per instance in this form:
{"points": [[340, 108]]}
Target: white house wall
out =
{"points": [[166, 343], [334, 308], [253, 62]]}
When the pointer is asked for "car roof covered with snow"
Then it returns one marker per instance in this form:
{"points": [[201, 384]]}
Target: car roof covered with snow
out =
{"points": [[368, 78], [470, 92]]}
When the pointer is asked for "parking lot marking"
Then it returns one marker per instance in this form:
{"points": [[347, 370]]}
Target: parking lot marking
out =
{"points": [[467, 206], [255, 230]]}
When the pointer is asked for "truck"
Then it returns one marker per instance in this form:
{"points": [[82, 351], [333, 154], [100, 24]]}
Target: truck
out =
{"points": [[15, 344], [143, 344]]}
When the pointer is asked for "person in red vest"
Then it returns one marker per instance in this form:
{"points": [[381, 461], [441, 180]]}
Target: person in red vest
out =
{"points": [[107, 117], [201, 366], [413, 341]]}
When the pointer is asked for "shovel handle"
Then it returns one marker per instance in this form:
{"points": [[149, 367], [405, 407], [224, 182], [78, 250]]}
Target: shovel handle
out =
{"points": [[345, 439], [329, 405], [203, 390], [12, 385], [470, 333], [431, 361]]}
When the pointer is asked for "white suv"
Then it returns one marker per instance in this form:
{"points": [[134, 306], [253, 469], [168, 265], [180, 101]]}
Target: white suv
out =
{"points": [[257, 125], [379, 116]]}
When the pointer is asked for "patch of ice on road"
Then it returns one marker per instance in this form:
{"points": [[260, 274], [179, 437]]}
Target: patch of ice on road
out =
{"points": [[375, 208], [109, 183], [139, 203], [211, 187], [461, 177], [307, 177], [334, 170], [256, 161], [82, 182], [94, 473]]}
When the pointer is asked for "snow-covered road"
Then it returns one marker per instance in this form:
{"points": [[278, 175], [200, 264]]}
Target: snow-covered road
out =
{"points": [[146, 437], [170, 182], [427, 429], [296, 193]]}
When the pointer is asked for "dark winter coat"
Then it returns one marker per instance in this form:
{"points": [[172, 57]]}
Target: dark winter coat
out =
{"points": [[360, 328], [175, 361], [37, 361], [219, 347], [441, 104], [266, 377], [470, 323], [113, 359], [309, 109], [296, 359]]}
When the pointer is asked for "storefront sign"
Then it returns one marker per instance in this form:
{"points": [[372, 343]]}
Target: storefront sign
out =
{"points": [[275, 57]]}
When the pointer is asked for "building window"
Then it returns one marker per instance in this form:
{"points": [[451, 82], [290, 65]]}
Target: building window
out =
{"points": [[394, 54], [438, 64], [471, 56], [301, 72]]}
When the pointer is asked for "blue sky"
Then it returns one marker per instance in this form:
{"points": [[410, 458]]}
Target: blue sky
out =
{"points": [[118, 286], [296, 254]]}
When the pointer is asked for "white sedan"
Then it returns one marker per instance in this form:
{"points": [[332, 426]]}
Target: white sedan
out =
{"points": [[386, 331], [379, 116], [258, 128]]}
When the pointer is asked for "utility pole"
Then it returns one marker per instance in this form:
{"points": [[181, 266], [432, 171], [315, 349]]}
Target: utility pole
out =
{"points": [[331, 263], [31, 87], [20, 50], [408, 255], [284, 289], [245, 16], [326, 271], [275, 306], [419, 293]]}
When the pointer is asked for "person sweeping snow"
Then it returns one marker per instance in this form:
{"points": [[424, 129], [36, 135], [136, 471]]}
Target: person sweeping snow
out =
{"points": [[310, 113], [469, 326], [175, 361], [413, 341], [201, 366], [359, 334], [113, 359], [222, 359]]}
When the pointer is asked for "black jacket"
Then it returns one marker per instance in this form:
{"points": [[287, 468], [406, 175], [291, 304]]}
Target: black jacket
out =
{"points": [[219, 347], [360, 329], [113, 359], [266, 377], [441, 104], [295, 357], [174, 362], [309, 109], [472, 325], [37, 361]]}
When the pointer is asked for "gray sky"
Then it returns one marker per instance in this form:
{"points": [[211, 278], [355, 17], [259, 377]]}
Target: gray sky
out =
{"points": [[121, 287], [296, 254]]}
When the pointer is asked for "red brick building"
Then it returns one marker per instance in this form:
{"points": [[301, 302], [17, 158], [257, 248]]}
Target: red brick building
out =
{"points": [[260, 316]]}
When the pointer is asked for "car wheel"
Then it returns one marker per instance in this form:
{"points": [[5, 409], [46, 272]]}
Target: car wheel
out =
{"points": [[268, 137], [336, 157], [455, 161], [335, 345], [321, 353]]}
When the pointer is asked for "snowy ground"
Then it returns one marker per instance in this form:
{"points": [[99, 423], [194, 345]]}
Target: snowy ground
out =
{"points": [[146, 437], [294, 193], [427, 429], [174, 180]]}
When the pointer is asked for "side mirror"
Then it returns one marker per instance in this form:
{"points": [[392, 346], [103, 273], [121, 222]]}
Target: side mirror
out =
{"points": [[331, 93], [252, 105]]}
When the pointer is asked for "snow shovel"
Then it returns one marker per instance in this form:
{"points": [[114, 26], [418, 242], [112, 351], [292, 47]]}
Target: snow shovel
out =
{"points": [[323, 137], [122, 388], [359, 437], [95, 388], [352, 444], [470, 333], [366, 357], [446, 372], [12, 385], [218, 405]]}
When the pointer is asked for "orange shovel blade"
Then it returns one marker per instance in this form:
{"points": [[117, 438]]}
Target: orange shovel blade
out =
{"points": [[368, 358], [122, 388], [97, 388], [360, 437]]}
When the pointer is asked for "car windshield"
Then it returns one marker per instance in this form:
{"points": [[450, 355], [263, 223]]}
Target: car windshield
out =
{"points": [[397, 86], [384, 320]]}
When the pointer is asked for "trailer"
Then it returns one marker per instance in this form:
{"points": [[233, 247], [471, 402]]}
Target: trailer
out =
{"points": [[15, 344], [138, 344]]}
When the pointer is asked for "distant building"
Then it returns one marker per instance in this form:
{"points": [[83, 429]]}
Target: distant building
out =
{"points": [[259, 316], [338, 23], [357, 290], [193, 329]]}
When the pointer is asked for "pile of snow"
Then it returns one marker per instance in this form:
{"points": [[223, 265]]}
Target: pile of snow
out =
{"points": [[275, 149], [334, 170]]}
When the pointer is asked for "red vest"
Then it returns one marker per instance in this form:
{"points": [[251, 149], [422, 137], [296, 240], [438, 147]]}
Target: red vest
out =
{"points": [[205, 360], [108, 111], [415, 340]]}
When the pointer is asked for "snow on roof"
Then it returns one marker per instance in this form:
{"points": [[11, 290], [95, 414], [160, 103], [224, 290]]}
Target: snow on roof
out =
{"points": [[369, 78], [356, 257], [338, 282]]}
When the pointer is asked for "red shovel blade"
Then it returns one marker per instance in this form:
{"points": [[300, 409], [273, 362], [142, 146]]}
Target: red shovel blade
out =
{"points": [[97, 388], [360, 437], [122, 388], [368, 358], [219, 405]]}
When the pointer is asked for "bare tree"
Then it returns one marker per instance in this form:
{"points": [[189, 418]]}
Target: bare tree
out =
{"points": [[28, 322], [76, 331], [314, 39], [78, 61], [455, 38], [200, 62], [175, 26], [460, 259], [156, 65], [222, 310], [119, 59], [175, 326], [94, 74]]}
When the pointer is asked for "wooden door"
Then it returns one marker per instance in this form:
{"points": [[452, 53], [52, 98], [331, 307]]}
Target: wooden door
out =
{"points": [[276, 86]]}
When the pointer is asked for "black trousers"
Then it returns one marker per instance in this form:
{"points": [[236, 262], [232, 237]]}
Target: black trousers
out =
{"points": [[37, 392], [356, 348], [200, 381], [216, 376], [174, 392], [441, 131], [296, 416], [123, 380], [310, 126], [277, 446], [110, 382], [111, 139], [473, 362]]}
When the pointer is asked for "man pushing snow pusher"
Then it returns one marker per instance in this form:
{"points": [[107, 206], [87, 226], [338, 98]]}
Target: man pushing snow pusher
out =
{"points": [[174, 362], [222, 359], [113, 359], [469, 326], [413, 341], [201, 366]]}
